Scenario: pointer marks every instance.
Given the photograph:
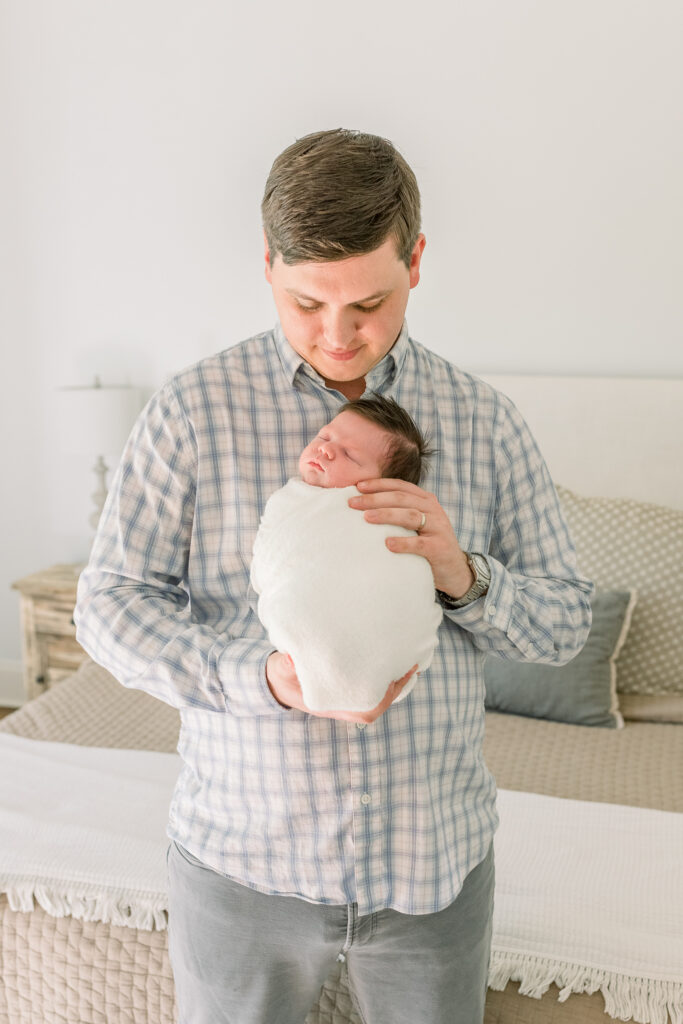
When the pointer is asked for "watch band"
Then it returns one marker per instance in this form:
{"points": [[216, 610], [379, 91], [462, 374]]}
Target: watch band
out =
{"points": [[482, 578]]}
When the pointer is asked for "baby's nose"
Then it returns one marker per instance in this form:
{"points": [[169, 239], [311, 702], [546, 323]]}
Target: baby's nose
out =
{"points": [[326, 448]]}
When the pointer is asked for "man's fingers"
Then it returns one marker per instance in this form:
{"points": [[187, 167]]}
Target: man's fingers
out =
{"points": [[410, 518], [287, 691], [404, 679], [387, 483], [392, 499], [413, 545]]}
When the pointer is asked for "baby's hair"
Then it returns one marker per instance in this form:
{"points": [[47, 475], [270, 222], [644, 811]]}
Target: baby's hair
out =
{"points": [[409, 454]]}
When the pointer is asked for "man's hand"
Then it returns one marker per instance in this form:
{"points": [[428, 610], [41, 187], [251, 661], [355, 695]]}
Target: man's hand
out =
{"points": [[400, 503], [286, 688]]}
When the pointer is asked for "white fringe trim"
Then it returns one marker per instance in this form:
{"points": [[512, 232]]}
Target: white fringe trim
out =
{"points": [[645, 1000], [135, 910]]}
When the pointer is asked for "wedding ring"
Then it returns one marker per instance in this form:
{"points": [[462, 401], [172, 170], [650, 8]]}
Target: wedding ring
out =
{"points": [[424, 520]]}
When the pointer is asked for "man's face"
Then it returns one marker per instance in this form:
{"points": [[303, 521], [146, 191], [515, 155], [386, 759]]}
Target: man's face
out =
{"points": [[350, 448], [343, 317]]}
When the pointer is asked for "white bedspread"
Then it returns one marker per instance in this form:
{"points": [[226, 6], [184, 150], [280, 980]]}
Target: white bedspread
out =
{"points": [[352, 615], [83, 830], [590, 896]]}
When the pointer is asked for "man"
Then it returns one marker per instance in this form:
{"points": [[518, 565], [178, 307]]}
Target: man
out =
{"points": [[300, 839]]}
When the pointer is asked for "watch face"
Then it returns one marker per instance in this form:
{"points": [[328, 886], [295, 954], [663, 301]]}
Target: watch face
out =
{"points": [[481, 568], [483, 577]]}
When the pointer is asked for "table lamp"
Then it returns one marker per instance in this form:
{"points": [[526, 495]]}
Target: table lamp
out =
{"points": [[96, 421]]}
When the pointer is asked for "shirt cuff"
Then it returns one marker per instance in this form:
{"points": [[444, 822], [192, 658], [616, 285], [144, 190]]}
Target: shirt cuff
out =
{"points": [[242, 674], [500, 613], [491, 611]]}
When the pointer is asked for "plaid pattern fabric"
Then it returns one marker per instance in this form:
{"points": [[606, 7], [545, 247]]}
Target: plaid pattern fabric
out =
{"points": [[391, 815]]}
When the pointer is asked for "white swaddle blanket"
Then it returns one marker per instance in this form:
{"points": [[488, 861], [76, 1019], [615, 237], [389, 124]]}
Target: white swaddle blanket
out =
{"points": [[352, 615]]}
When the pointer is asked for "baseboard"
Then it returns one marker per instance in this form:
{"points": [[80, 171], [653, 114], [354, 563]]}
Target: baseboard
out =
{"points": [[12, 692]]}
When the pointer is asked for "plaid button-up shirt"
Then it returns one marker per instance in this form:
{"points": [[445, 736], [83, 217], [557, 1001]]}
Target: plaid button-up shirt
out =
{"points": [[394, 814]]}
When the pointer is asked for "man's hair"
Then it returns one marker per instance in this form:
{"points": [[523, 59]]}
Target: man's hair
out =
{"points": [[340, 193], [409, 453]]}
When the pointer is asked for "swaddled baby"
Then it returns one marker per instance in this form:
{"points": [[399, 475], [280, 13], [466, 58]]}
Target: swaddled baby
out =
{"points": [[352, 615]]}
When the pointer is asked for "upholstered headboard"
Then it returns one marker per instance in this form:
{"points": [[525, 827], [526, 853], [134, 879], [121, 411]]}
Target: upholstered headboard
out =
{"points": [[615, 437]]}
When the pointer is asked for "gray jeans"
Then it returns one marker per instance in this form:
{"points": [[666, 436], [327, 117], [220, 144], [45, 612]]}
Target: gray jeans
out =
{"points": [[242, 957]]}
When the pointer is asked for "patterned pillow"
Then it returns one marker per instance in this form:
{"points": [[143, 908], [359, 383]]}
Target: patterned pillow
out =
{"points": [[632, 545]]}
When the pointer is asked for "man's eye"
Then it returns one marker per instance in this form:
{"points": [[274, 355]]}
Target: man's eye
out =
{"points": [[363, 309]]}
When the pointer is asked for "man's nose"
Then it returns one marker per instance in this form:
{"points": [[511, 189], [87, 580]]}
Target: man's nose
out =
{"points": [[339, 331]]}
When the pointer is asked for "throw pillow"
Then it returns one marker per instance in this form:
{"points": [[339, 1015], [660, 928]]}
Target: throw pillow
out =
{"points": [[582, 692]]}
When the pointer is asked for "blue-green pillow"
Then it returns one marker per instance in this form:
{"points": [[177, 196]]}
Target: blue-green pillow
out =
{"points": [[582, 692]]}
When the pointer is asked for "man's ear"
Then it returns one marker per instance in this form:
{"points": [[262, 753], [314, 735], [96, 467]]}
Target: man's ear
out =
{"points": [[267, 259], [415, 259]]}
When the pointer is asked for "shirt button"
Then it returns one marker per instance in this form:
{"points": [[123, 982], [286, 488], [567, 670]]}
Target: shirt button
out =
{"points": [[361, 725], [491, 610], [366, 798]]}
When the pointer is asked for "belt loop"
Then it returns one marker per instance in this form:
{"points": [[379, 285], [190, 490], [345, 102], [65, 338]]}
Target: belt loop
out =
{"points": [[349, 932]]}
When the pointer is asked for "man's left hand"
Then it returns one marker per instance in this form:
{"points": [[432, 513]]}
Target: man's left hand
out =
{"points": [[400, 503]]}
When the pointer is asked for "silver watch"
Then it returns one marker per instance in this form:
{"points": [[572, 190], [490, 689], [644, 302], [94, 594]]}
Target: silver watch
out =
{"points": [[482, 578]]}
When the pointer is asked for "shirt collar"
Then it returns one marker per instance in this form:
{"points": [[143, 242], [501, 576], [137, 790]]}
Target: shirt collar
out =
{"points": [[387, 371]]}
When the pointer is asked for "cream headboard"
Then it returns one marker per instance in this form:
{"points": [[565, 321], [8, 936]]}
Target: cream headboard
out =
{"points": [[615, 437]]}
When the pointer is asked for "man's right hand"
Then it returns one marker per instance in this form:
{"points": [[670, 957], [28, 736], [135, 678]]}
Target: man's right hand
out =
{"points": [[285, 687]]}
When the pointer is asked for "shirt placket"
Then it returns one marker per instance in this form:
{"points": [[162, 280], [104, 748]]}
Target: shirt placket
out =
{"points": [[369, 797]]}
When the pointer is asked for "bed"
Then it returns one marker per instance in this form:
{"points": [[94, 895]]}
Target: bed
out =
{"points": [[618, 781]]}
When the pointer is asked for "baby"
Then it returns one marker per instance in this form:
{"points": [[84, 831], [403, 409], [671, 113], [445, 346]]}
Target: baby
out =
{"points": [[352, 615], [371, 437]]}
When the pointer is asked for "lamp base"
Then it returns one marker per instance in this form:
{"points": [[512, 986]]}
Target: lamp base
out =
{"points": [[99, 496]]}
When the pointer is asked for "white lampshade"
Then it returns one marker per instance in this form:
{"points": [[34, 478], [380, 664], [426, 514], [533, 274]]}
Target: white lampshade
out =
{"points": [[97, 420]]}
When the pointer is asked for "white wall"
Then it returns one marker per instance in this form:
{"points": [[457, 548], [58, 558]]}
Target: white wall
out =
{"points": [[137, 137]]}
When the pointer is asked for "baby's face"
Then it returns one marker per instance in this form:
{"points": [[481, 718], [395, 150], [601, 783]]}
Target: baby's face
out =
{"points": [[350, 448]]}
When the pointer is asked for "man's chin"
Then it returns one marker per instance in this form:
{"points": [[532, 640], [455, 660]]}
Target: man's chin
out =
{"points": [[333, 370], [346, 373], [355, 365]]}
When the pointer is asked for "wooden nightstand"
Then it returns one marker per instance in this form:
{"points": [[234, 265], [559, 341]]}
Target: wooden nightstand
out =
{"points": [[48, 632]]}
